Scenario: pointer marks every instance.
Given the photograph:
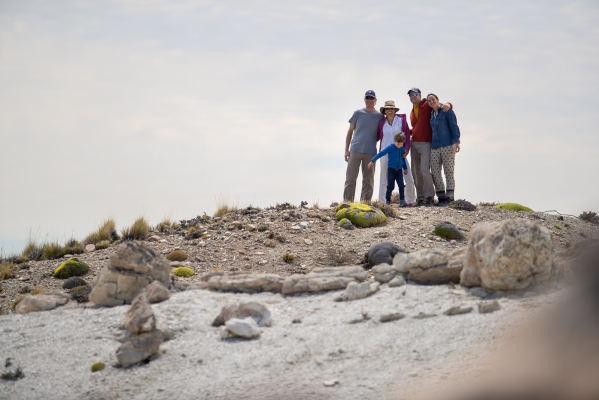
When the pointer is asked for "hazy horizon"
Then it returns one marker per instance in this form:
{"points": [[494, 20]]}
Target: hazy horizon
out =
{"points": [[127, 108]]}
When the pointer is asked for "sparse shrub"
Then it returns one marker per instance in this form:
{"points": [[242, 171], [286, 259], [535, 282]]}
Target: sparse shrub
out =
{"points": [[567, 225], [7, 271], [462, 204], [387, 209], [13, 375], [80, 293], [32, 252], [488, 204], [315, 205], [72, 267], [513, 207], [24, 290], [106, 231], [99, 366], [53, 250], [167, 225], [590, 216], [38, 290], [394, 198], [557, 227], [137, 231], [183, 272], [288, 257], [104, 244]]}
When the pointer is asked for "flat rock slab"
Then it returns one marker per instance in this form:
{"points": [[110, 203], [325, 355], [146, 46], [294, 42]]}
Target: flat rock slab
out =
{"points": [[246, 282], [40, 302]]}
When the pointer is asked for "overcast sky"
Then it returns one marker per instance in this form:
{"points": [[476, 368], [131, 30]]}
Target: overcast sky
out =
{"points": [[156, 108]]}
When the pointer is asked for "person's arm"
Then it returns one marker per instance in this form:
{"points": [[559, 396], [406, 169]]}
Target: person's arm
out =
{"points": [[406, 130], [350, 133], [446, 106], [454, 128]]}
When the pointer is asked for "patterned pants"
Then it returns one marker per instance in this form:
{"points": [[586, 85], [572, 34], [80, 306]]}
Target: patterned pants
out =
{"points": [[443, 157]]}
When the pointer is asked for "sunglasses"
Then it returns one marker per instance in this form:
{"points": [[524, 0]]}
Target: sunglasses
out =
{"points": [[389, 109], [413, 94], [369, 98]]}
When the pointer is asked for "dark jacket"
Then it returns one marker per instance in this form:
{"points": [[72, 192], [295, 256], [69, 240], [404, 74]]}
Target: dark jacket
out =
{"points": [[445, 130]]}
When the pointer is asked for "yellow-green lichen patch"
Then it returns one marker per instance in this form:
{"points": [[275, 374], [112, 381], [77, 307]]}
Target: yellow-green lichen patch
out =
{"points": [[183, 272], [72, 267], [104, 244], [360, 214], [99, 366], [513, 207]]}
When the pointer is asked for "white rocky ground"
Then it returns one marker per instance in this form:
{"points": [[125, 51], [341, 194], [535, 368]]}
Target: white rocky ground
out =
{"points": [[290, 360]]}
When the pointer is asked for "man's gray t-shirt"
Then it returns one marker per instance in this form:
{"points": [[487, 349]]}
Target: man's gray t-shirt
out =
{"points": [[366, 124]]}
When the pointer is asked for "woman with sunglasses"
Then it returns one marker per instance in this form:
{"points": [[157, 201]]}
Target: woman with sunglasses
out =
{"points": [[445, 143], [388, 127]]}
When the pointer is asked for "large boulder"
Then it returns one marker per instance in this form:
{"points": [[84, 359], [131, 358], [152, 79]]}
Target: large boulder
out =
{"points": [[323, 279], [40, 302], [507, 255], [140, 318], [360, 214], [129, 270], [426, 267], [246, 282], [139, 348]]}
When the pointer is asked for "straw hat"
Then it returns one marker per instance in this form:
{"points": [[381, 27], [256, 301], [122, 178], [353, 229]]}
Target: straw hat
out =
{"points": [[389, 104]]}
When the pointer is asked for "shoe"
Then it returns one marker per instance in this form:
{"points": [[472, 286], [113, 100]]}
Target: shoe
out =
{"points": [[410, 205], [430, 201], [419, 203], [443, 202], [402, 203]]}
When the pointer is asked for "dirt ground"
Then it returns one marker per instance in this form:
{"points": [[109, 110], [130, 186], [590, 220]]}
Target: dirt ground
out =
{"points": [[229, 245]]}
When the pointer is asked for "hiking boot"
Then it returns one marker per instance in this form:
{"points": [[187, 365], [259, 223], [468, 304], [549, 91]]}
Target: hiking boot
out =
{"points": [[419, 203], [429, 202], [443, 202], [402, 203]]}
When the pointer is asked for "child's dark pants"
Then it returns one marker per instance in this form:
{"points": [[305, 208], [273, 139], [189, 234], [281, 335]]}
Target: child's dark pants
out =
{"points": [[394, 175]]}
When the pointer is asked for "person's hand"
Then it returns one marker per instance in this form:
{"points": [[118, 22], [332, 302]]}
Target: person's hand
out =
{"points": [[446, 107], [370, 164], [346, 155], [405, 171], [457, 148], [405, 155]]}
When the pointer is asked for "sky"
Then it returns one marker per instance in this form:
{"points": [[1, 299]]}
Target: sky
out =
{"points": [[160, 109]]}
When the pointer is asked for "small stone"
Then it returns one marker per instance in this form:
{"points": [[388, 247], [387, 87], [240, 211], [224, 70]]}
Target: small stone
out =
{"points": [[488, 307], [254, 310], [140, 318], [303, 225], [457, 310], [177, 255], [157, 292], [89, 248], [250, 227], [162, 240], [453, 241], [246, 328], [355, 291], [73, 281], [308, 241], [296, 227], [424, 315], [391, 317], [330, 382], [154, 238], [67, 256], [139, 348], [402, 217], [397, 281], [23, 278]]}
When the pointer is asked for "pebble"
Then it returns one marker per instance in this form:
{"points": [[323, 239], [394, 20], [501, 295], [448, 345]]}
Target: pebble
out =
{"points": [[330, 382], [24, 278], [488, 307], [307, 241], [296, 227], [303, 225], [162, 240]]}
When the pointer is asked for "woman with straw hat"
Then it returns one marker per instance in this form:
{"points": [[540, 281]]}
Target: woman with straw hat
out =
{"points": [[388, 127]]}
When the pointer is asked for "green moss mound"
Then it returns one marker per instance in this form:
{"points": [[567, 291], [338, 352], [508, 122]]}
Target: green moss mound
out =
{"points": [[513, 207], [448, 231], [360, 214], [183, 272], [342, 222], [72, 267], [99, 366]]}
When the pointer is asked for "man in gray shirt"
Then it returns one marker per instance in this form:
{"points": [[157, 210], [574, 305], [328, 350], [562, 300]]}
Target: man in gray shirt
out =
{"points": [[360, 147]]}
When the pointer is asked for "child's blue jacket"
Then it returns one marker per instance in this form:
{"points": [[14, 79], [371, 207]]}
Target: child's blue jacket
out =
{"points": [[396, 159]]}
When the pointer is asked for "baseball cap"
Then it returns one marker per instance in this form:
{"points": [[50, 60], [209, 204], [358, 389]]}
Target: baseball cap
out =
{"points": [[370, 93], [414, 89]]}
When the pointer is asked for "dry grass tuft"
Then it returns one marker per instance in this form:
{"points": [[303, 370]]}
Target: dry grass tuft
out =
{"points": [[38, 290], [167, 224], [395, 198], [223, 207], [590, 216], [106, 231], [7, 271], [387, 209], [137, 231]]}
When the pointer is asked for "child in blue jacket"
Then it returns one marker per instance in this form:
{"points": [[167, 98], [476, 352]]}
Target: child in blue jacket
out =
{"points": [[395, 166]]}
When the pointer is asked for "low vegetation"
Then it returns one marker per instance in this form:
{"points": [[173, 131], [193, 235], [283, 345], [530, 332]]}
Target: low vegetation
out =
{"points": [[106, 231], [223, 207], [488, 204], [183, 272], [99, 366], [167, 225], [513, 207], [137, 231], [7, 271], [590, 216], [387, 209], [288, 257], [69, 268]]}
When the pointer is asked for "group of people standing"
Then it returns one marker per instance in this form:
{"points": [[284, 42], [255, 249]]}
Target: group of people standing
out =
{"points": [[432, 143]]}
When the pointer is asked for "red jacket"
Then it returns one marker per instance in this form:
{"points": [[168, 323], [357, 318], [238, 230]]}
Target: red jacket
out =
{"points": [[421, 126]]}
